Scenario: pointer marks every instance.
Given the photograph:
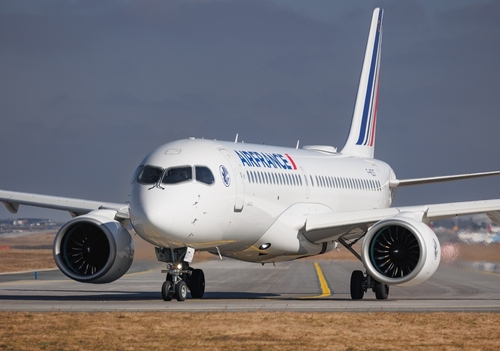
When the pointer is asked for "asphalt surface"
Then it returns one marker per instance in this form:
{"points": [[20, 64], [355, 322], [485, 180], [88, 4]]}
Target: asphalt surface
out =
{"points": [[238, 286]]}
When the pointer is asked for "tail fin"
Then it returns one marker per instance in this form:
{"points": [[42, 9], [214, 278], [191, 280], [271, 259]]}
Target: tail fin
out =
{"points": [[361, 139]]}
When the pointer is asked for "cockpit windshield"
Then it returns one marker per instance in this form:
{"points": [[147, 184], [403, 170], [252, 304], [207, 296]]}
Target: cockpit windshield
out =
{"points": [[177, 175], [152, 175], [149, 175]]}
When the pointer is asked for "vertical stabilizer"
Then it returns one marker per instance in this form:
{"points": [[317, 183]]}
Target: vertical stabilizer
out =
{"points": [[361, 139]]}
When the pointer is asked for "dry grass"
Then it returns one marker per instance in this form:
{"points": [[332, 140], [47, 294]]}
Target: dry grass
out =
{"points": [[490, 253], [25, 260], [249, 331]]}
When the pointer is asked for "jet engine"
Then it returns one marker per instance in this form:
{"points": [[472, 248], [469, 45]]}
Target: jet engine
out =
{"points": [[94, 248], [401, 251]]}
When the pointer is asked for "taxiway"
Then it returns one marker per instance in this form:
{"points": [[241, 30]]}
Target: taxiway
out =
{"points": [[239, 286]]}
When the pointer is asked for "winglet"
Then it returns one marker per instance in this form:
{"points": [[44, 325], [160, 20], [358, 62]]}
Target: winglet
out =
{"points": [[361, 139]]}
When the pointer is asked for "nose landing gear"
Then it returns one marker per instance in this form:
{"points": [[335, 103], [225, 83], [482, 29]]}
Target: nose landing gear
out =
{"points": [[180, 277]]}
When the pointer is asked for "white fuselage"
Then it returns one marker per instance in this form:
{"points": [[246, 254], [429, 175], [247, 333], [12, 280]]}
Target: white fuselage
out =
{"points": [[253, 187]]}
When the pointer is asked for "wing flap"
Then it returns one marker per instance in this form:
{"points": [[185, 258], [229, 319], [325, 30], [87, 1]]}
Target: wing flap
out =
{"points": [[76, 207], [447, 210]]}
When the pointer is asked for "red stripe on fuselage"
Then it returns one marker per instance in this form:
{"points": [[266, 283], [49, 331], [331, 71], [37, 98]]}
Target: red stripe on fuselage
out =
{"points": [[293, 163]]}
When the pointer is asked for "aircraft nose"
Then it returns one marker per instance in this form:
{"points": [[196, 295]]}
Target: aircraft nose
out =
{"points": [[150, 216]]}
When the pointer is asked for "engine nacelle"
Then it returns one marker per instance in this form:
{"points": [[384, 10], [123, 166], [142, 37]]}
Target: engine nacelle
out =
{"points": [[401, 251], [94, 248]]}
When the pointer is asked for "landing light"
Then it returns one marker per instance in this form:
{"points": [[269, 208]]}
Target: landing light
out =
{"points": [[264, 246]]}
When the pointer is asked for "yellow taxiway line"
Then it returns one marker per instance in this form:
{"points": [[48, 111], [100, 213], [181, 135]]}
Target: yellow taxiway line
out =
{"points": [[325, 290]]}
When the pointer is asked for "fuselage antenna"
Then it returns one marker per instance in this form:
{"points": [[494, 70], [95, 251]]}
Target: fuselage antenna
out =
{"points": [[236, 139], [297, 146]]}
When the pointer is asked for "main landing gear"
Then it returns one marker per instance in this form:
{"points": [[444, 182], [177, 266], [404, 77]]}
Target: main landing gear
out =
{"points": [[180, 277], [360, 282]]}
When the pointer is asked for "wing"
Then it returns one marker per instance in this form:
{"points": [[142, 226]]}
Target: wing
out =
{"points": [[417, 181], [75, 207], [352, 225]]}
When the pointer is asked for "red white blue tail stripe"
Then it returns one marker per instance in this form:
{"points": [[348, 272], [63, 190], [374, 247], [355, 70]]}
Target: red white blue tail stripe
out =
{"points": [[368, 123], [361, 140]]}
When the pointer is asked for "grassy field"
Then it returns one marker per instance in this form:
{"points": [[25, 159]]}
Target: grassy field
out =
{"points": [[249, 331]]}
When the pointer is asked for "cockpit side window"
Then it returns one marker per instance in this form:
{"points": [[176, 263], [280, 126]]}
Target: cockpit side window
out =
{"points": [[149, 175], [177, 175], [204, 175], [136, 173]]}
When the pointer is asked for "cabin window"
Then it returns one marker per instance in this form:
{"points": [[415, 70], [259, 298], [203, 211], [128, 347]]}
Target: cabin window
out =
{"points": [[149, 175], [178, 174], [204, 175]]}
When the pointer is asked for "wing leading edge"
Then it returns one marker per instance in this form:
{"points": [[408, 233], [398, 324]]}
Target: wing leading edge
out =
{"points": [[75, 207], [417, 181]]}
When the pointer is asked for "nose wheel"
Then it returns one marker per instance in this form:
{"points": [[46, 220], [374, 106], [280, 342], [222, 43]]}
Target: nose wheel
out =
{"points": [[167, 292], [181, 278]]}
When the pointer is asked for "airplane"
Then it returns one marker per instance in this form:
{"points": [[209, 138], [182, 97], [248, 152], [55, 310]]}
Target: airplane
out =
{"points": [[263, 204]]}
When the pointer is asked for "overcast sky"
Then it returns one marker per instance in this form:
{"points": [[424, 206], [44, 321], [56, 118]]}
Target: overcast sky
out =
{"points": [[88, 88]]}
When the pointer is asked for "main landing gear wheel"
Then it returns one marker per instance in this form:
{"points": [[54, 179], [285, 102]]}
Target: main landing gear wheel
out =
{"points": [[196, 284], [381, 291], [357, 288], [166, 291]]}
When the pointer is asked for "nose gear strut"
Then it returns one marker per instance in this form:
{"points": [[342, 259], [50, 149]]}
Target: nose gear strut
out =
{"points": [[180, 277]]}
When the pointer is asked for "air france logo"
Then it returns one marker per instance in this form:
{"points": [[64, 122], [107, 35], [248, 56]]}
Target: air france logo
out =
{"points": [[266, 160], [226, 179], [436, 251]]}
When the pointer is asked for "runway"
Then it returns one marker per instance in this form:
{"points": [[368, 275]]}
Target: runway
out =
{"points": [[239, 286]]}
